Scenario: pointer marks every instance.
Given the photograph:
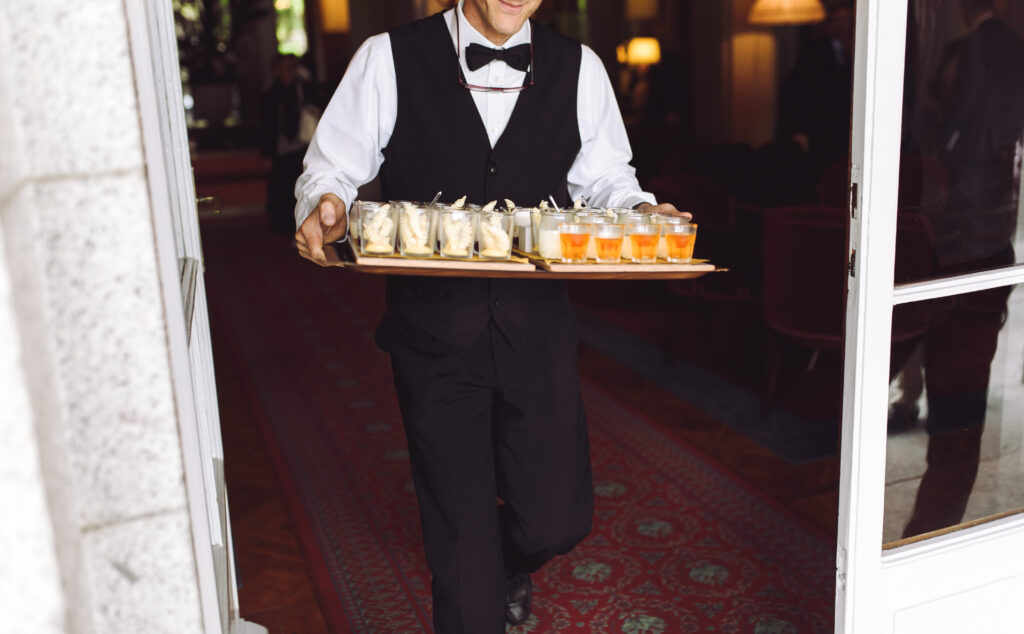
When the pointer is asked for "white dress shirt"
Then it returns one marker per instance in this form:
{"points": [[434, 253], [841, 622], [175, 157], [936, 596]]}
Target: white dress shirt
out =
{"points": [[347, 149]]}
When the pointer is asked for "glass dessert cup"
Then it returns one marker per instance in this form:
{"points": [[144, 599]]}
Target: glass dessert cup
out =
{"points": [[456, 233], [573, 239], [356, 212], [417, 229], [378, 228], [494, 235], [643, 243], [549, 244], [664, 222], [607, 242], [679, 242], [628, 217], [595, 220]]}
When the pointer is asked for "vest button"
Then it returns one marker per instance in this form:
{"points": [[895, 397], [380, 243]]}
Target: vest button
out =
{"points": [[492, 168]]}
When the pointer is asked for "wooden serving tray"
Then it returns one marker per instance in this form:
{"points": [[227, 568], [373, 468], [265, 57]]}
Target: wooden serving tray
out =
{"points": [[589, 268], [520, 266]]}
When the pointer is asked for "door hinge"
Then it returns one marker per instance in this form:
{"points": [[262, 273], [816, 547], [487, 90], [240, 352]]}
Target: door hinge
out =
{"points": [[853, 200], [852, 269]]}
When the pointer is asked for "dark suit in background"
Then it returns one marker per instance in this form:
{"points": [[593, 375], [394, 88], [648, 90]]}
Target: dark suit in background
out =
{"points": [[280, 113]]}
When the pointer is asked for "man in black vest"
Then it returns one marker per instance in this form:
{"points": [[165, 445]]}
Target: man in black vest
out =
{"points": [[485, 370]]}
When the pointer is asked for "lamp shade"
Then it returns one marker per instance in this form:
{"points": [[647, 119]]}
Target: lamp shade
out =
{"points": [[780, 12], [641, 9], [335, 16], [643, 51]]}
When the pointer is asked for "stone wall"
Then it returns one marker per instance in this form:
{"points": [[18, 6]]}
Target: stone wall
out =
{"points": [[95, 535]]}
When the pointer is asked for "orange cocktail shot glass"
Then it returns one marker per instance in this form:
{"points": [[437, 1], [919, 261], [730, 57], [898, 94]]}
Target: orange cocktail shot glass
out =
{"points": [[574, 239], [608, 243], [643, 240], [679, 242]]}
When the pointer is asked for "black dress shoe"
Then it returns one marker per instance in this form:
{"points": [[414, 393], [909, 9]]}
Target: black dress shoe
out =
{"points": [[518, 592]]}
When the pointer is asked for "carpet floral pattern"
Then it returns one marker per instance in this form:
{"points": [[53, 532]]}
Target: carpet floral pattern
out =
{"points": [[678, 545]]}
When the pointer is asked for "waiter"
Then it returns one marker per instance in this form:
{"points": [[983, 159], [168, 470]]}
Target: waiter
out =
{"points": [[485, 370]]}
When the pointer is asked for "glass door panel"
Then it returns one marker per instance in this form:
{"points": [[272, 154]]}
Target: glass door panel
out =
{"points": [[953, 450], [963, 113], [956, 415]]}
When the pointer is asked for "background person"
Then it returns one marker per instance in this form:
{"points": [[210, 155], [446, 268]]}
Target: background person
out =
{"points": [[281, 112]]}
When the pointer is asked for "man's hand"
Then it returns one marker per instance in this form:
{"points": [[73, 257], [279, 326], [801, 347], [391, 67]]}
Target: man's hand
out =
{"points": [[666, 209], [328, 223]]}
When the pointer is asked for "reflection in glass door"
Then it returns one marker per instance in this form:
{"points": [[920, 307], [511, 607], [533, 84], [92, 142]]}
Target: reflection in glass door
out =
{"points": [[954, 446], [954, 425]]}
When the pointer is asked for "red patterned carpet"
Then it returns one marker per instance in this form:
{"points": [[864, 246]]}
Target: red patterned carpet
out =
{"points": [[678, 546]]}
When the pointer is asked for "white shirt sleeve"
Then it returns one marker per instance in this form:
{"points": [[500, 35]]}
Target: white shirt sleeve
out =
{"points": [[347, 149], [602, 173]]}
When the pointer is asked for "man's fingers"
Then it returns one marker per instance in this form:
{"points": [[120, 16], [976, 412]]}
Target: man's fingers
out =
{"points": [[306, 253], [335, 233], [669, 209], [313, 239], [317, 253], [325, 225], [328, 214]]}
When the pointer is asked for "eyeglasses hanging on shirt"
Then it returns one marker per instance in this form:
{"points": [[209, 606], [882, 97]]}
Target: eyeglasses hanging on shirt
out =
{"points": [[518, 57]]}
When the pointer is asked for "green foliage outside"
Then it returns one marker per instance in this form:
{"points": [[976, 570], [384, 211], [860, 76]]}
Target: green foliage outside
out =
{"points": [[291, 27]]}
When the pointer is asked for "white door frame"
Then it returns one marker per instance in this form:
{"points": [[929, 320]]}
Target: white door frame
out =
{"points": [[917, 587], [146, 26]]}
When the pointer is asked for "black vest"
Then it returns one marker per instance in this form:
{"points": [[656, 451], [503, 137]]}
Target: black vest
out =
{"points": [[440, 143]]}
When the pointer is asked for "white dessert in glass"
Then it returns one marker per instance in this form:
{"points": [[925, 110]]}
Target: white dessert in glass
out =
{"points": [[495, 234], [456, 232], [377, 229], [355, 213], [549, 242], [416, 231]]}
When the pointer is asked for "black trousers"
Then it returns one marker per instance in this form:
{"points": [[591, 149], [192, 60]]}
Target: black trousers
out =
{"points": [[487, 422], [961, 342]]}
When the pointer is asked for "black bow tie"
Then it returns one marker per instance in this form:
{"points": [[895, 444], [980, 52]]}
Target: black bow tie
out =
{"points": [[518, 57]]}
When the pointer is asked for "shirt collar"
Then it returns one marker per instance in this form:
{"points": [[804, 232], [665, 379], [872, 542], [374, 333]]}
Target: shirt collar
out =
{"points": [[471, 36]]}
